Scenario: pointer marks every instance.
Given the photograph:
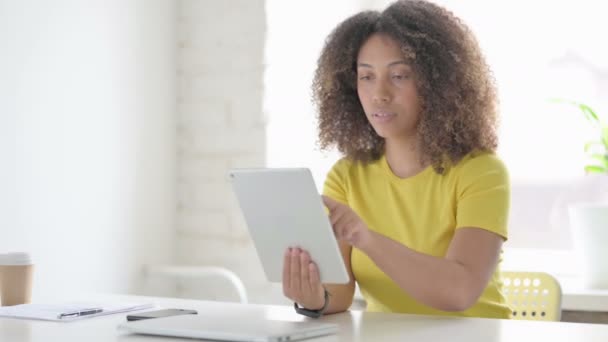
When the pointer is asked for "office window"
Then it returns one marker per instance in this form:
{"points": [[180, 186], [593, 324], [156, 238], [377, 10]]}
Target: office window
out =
{"points": [[538, 50]]}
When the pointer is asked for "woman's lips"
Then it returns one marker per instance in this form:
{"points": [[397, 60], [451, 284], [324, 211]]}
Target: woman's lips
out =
{"points": [[383, 117]]}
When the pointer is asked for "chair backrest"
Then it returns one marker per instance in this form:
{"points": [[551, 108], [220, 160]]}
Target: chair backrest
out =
{"points": [[197, 272], [532, 295]]}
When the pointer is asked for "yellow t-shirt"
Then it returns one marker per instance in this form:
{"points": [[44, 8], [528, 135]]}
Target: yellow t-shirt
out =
{"points": [[423, 212]]}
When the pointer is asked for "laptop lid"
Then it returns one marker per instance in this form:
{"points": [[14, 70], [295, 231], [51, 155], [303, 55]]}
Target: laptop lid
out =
{"points": [[225, 329]]}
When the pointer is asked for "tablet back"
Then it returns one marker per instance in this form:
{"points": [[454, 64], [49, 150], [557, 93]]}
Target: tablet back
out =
{"points": [[283, 209], [219, 328]]}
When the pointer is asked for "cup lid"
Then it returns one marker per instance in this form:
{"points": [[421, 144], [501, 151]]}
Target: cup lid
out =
{"points": [[15, 258]]}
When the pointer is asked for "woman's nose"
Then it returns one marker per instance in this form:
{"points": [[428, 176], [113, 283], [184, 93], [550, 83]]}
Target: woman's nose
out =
{"points": [[381, 93]]}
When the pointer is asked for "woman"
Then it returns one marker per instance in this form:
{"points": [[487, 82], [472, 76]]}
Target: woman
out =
{"points": [[419, 203]]}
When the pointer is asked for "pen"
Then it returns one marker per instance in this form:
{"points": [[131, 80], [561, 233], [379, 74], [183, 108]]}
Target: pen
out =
{"points": [[80, 313]]}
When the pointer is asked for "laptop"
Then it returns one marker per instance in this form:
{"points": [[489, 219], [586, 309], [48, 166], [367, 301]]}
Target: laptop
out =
{"points": [[210, 327], [282, 209]]}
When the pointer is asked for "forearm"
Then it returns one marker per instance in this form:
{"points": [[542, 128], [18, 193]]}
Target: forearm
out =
{"points": [[435, 281], [341, 297]]}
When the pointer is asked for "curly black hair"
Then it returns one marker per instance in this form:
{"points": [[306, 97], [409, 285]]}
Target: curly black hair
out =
{"points": [[455, 85]]}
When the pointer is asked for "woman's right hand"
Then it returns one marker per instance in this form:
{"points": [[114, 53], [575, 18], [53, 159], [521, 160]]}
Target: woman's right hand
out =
{"points": [[301, 281]]}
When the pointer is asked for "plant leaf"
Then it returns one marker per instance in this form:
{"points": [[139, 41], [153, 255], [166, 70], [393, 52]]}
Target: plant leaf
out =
{"points": [[600, 158], [605, 137], [595, 169], [591, 144], [589, 113], [562, 100]]}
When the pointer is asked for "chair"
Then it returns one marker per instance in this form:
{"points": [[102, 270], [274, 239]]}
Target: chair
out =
{"points": [[198, 272], [532, 295]]}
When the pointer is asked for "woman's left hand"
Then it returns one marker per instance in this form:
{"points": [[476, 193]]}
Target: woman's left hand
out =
{"points": [[347, 225]]}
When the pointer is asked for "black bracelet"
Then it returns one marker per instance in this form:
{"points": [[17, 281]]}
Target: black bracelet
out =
{"points": [[313, 313]]}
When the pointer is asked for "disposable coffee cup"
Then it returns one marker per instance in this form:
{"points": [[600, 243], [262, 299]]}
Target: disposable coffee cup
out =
{"points": [[16, 278]]}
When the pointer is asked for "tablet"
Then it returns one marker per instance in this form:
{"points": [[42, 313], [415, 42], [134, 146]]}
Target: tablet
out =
{"points": [[283, 209], [211, 326]]}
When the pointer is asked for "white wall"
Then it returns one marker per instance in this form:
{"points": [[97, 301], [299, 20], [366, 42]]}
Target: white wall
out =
{"points": [[220, 125], [87, 106], [292, 49]]}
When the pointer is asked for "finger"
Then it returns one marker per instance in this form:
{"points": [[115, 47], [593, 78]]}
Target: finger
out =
{"points": [[295, 271], [341, 226], [347, 229], [313, 276], [337, 214], [304, 273], [338, 231], [330, 203], [315, 280], [349, 235], [351, 229], [286, 272]]}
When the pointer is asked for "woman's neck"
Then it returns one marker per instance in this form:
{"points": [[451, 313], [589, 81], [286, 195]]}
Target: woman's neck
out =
{"points": [[404, 157]]}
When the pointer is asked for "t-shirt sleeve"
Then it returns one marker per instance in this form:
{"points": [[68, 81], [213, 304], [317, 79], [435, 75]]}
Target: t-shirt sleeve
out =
{"points": [[483, 192], [336, 183]]}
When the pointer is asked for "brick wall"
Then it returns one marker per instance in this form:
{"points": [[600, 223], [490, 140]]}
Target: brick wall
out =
{"points": [[220, 125]]}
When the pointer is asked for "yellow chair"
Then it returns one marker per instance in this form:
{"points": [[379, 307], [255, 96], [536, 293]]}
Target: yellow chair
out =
{"points": [[532, 295]]}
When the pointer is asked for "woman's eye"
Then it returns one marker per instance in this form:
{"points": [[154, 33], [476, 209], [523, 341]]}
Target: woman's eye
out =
{"points": [[365, 77], [400, 77]]}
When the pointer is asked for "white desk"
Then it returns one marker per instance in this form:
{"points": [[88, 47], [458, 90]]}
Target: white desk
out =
{"points": [[354, 326], [575, 297]]}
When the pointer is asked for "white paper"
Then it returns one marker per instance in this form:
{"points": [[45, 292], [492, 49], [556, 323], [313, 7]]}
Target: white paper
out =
{"points": [[52, 312]]}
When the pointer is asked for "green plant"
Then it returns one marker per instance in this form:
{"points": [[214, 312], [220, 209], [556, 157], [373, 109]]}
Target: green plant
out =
{"points": [[597, 149]]}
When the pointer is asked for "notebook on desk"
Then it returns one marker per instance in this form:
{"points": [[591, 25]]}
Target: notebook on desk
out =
{"points": [[69, 311], [211, 327]]}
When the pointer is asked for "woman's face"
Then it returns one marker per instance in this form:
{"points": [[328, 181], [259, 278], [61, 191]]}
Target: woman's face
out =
{"points": [[386, 86]]}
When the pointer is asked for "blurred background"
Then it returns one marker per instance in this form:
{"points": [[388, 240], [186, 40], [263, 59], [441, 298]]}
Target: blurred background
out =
{"points": [[120, 118]]}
